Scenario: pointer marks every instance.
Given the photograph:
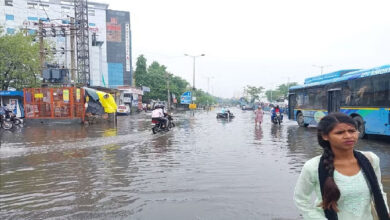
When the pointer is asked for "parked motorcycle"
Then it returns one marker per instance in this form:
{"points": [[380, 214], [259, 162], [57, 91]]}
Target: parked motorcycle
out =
{"points": [[159, 126], [9, 119], [277, 118]]}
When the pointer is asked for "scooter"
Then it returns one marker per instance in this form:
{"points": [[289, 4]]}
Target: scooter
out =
{"points": [[277, 118]]}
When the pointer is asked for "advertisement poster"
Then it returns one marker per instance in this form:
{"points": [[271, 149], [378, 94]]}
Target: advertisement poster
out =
{"points": [[114, 31], [77, 95], [65, 95]]}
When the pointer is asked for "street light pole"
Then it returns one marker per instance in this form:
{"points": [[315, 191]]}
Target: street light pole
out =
{"points": [[321, 67], [193, 72]]}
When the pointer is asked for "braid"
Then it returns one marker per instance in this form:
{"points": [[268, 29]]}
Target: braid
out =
{"points": [[331, 192], [328, 161]]}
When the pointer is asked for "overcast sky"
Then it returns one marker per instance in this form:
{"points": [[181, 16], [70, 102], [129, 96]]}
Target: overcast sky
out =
{"points": [[259, 43]]}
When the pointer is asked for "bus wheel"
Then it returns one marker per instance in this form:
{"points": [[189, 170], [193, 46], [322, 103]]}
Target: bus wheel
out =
{"points": [[301, 120], [361, 127]]}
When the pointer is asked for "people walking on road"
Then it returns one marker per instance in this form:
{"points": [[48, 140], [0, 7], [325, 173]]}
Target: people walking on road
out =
{"points": [[259, 116], [346, 182]]}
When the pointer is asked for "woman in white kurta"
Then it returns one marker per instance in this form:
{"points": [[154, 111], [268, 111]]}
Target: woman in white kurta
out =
{"points": [[346, 187]]}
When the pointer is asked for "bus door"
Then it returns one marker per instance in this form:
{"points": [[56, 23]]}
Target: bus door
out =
{"points": [[292, 102], [334, 100]]}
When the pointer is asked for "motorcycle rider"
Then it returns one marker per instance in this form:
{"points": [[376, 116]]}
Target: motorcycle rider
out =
{"points": [[159, 115], [276, 110]]}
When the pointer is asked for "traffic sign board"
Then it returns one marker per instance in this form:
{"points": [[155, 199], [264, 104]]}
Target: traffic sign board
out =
{"points": [[186, 98]]}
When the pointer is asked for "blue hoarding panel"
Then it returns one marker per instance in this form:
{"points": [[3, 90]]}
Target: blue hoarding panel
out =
{"points": [[186, 98], [115, 74]]}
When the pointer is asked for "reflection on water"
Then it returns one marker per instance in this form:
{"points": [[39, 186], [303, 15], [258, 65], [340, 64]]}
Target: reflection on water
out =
{"points": [[203, 168], [258, 133]]}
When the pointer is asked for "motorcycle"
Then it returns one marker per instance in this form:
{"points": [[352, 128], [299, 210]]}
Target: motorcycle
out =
{"points": [[159, 126], [277, 118], [8, 119]]}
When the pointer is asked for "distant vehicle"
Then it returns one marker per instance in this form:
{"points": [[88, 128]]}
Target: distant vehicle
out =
{"points": [[123, 109], [248, 107], [362, 94], [225, 115]]}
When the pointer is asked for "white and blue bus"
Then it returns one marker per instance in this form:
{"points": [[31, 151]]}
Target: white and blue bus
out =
{"points": [[363, 94]]}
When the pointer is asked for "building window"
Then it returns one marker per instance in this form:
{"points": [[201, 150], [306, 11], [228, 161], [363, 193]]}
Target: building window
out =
{"points": [[9, 17], [91, 12], [31, 5], [10, 30], [8, 2]]}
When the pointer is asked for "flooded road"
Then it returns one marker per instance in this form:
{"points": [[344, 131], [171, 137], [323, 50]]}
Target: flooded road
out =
{"points": [[203, 168]]}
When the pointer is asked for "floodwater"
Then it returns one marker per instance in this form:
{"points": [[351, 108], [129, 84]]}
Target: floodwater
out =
{"points": [[203, 168]]}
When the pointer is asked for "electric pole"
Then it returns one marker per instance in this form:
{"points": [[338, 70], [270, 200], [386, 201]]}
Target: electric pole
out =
{"points": [[169, 98], [41, 47], [72, 50]]}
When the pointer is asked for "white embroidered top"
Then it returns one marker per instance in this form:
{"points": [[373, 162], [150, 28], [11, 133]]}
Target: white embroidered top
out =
{"points": [[355, 199]]}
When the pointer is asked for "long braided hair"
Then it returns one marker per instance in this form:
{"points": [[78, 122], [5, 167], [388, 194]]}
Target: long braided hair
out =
{"points": [[331, 193]]}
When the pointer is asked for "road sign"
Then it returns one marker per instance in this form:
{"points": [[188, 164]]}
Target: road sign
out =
{"points": [[186, 98]]}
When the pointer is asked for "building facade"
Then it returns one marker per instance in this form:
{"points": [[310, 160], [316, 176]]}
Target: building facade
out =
{"points": [[120, 69], [56, 17]]}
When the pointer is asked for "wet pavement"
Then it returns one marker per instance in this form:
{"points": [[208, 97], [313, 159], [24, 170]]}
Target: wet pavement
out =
{"points": [[204, 168]]}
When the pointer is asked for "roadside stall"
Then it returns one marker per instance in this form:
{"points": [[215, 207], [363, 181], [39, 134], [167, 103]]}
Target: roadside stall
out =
{"points": [[65, 103], [14, 101], [100, 105], [130, 100]]}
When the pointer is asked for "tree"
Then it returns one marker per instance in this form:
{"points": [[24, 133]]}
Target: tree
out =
{"points": [[273, 95], [283, 89], [203, 98], [253, 93], [280, 93], [140, 73], [19, 61]]}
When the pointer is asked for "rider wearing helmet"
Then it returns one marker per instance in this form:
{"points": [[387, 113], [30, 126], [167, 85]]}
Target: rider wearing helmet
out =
{"points": [[159, 114]]}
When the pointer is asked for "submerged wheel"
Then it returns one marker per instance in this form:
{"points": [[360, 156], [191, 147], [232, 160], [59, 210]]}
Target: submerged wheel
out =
{"points": [[154, 130], [361, 126], [7, 125], [301, 120]]}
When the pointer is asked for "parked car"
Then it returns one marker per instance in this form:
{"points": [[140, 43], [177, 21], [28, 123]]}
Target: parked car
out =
{"points": [[123, 110]]}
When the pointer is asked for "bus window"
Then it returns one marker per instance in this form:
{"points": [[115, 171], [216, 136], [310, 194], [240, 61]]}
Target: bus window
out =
{"points": [[317, 98], [380, 91], [300, 100], [346, 98], [363, 91]]}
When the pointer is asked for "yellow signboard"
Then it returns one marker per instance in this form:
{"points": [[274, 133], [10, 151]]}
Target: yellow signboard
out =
{"points": [[65, 95], [192, 106], [38, 95]]}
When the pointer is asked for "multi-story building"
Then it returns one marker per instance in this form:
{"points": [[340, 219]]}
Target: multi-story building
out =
{"points": [[106, 56], [119, 48]]}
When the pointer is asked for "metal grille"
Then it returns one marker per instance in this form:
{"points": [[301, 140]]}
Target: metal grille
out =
{"points": [[54, 103]]}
